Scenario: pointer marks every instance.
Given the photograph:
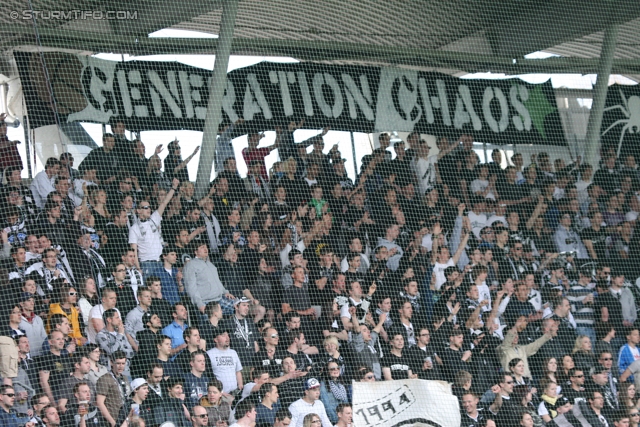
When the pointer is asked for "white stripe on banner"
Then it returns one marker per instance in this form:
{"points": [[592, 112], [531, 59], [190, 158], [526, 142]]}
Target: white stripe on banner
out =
{"points": [[405, 403]]}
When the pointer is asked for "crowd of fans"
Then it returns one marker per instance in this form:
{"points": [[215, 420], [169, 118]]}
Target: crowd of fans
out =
{"points": [[129, 302]]}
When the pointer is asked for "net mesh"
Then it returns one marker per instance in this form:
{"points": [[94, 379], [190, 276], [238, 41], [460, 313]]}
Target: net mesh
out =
{"points": [[366, 222]]}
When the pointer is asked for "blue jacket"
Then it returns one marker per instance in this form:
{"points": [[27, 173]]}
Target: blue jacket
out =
{"points": [[625, 359], [330, 402], [169, 284]]}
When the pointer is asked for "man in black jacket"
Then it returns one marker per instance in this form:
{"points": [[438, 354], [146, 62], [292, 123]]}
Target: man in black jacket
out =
{"points": [[173, 408]]}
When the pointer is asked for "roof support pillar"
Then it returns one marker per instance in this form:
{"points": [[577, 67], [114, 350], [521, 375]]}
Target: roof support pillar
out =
{"points": [[216, 94], [600, 94]]}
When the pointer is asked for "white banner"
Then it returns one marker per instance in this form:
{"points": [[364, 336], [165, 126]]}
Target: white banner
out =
{"points": [[405, 403]]}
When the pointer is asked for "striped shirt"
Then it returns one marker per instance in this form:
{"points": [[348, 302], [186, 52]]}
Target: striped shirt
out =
{"points": [[582, 313]]}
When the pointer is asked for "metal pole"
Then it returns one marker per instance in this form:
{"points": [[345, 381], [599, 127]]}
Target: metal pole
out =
{"points": [[355, 160], [216, 93], [600, 94], [25, 127]]}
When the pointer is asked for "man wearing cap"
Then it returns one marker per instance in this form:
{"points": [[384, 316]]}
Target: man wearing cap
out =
{"points": [[146, 343], [137, 401], [32, 324], [226, 363], [242, 331], [599, 383], [310, 403]]}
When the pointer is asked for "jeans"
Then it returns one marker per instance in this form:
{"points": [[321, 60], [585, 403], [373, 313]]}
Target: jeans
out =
{"points": [[148, 267], [227, 306]]}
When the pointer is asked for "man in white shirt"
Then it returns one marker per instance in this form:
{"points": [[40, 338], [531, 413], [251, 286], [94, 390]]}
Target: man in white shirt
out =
{"points": [[245, 414], [309, 404], [96, 323], [144, 235], [424, 165], [225, 363], [477, 217], [43, 183]]}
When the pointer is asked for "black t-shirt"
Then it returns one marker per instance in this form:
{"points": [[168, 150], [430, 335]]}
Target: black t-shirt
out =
{"points": [[399, 366], [243, 335], [484, 414], [574, 396], [297, 298], [302, 360], [598, 240], [615, 310], [274, 365], [58, 368], [290, 391]]}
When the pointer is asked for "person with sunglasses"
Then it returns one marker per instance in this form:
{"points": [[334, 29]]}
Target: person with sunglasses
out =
{"points": [[8, 416], [66, 306], [575, 391], [634, 417], [199, 416], [144, 235]]}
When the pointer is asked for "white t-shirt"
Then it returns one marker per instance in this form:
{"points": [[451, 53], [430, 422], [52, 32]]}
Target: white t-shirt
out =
{"points": [[425, 170], [478, 222], [225, 364], [479, 185], [438, 269], [485, 293], [148, 238], [96, 313]]}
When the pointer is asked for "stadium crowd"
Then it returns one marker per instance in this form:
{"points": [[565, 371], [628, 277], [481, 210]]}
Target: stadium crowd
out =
{"points": [[129, 302]]}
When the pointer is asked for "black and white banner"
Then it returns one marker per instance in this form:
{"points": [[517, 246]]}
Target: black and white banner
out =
{"points": [[168, 95], [405, 403]]}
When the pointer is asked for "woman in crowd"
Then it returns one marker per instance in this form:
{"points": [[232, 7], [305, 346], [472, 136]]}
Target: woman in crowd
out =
{"points": [[523, 400], [333, 391], [583, 355], [68, 297], [563, 375], [627, 396], [332, 354], [547, 408], [311, 420], [96, 370], [98, 207], [516, 367], [88, 298], [365, 375]]}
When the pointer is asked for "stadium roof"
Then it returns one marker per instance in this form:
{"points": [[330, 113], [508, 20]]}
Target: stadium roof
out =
{"points": [[456, 37]]}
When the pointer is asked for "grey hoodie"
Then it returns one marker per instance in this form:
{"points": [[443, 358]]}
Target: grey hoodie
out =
{"points": [[202, 283]]}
